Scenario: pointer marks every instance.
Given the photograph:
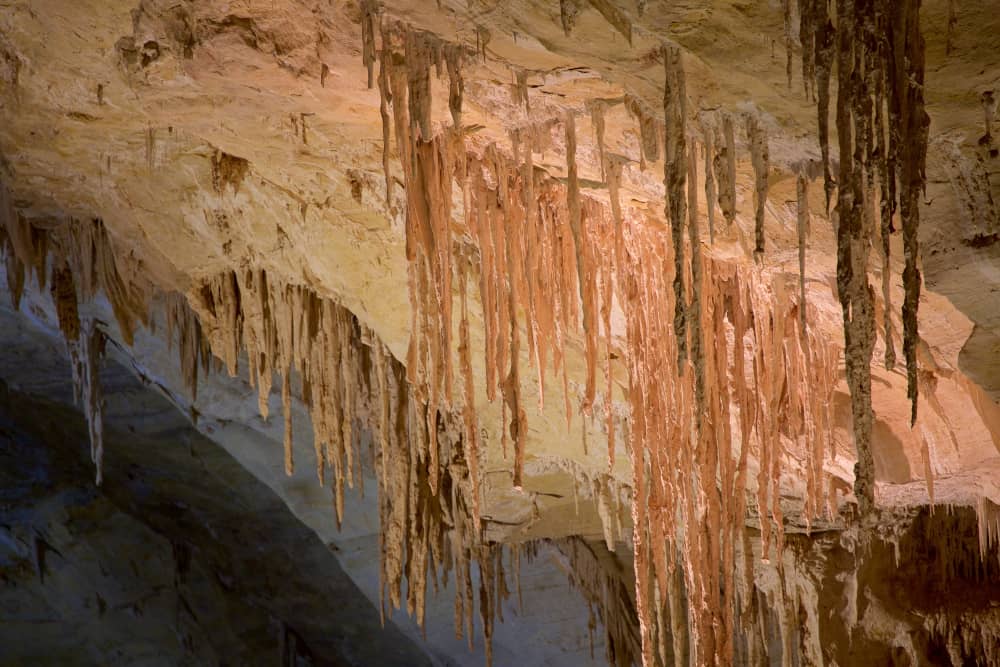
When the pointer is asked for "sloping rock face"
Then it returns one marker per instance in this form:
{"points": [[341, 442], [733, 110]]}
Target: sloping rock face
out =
{"points": [[692, 279]]}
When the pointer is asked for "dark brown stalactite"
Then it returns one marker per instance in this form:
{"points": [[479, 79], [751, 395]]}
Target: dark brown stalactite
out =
{"points": [[760, 156], [880, 72], [807, 37], [910, 124], [852, 245], [674, 176], [787, 15], [824, 49], [884, 169]]}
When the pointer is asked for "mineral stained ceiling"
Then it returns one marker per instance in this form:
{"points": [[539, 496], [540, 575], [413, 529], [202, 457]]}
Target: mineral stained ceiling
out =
{"points": [[714, 283]]}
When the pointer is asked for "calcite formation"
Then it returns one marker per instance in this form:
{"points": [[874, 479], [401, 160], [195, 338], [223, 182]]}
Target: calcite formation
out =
{"points": [[534, 235]]}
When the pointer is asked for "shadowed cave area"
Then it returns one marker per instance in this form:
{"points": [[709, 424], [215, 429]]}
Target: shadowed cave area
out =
{"points": [[534, 332]]}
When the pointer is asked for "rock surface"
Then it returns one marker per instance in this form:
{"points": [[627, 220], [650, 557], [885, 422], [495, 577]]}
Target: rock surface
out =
{"points": [[247, 139]]}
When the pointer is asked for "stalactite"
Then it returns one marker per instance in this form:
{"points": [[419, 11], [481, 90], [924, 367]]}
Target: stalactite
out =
{"points": [[674, 173], [597, 109], [419, 50], [569, 11], [471, 434], [760, 156], [788, 37], [385, 99], [852, 256], [83, 262], [352, 380], [608, 233], [483, 37], [549, 258], [724, 165], [521, 89], [909, 122], [708, 132], [86, 352], [86, 347], [884, 170], [369, 13], [821, 60], [802, 226], [695, 309], [807, 36], [576, 228], [64, 297], [648, 127], [512, 383], [880, 67], [454, 56]]}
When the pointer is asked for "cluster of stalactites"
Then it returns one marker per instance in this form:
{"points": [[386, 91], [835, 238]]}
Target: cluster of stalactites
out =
{"points": [[81, 260], [428, 501], [690, 467], [510, 221], [882, 130], [194, 354], [81, 247], [286, 328], [430, 165], [552, 261]]}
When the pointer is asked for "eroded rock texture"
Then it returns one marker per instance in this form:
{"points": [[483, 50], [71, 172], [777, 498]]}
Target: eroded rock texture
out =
{"points": [[408, 222]]}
